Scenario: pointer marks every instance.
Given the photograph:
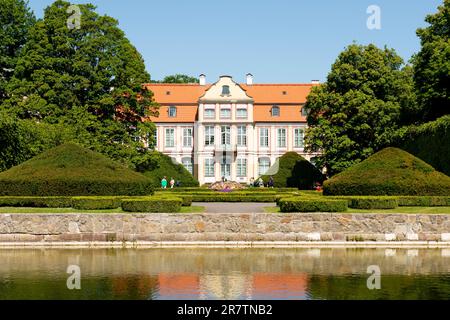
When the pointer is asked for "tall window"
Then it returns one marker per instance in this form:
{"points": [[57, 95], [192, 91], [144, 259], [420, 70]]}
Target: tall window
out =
{"points": [[299, 138], [172, 111], [281, 138], [264, 166], [187, 163], [275, 111], [264, 137], [225, 90], [241, 167], [209, 168], [209, 136], [170, 137], [241, 113], [187, 137], [226, 135], [242, 136]]}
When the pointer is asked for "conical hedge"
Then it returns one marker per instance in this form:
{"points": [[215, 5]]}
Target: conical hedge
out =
{"points": [[71, 170], [391, 171]]}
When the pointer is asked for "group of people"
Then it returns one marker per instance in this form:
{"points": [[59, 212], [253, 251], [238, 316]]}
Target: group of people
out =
{"points": [[171, 184], [259, 183]]}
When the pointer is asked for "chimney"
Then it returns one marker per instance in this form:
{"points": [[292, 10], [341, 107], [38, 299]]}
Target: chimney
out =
{"points": [[249, 79], [315, 81], [202, 79]]}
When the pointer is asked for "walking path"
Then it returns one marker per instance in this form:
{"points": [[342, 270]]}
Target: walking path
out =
{"points": [[232, 207]]}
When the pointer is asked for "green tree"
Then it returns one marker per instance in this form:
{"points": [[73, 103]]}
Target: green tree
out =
{"points": [[15, 21], [178, 78], [432, 65], [90, 79], [357, 110]]}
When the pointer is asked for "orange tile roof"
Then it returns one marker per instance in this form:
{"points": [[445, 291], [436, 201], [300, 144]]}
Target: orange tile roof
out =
{"points": [[179, 93], [185, 114], [288, 113], [274, 93]]}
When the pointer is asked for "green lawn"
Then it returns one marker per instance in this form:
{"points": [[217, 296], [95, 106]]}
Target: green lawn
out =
{"points": [[431, 210], [192, 209]]}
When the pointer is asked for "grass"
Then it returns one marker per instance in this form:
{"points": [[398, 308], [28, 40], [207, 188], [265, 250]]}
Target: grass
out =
{"points": [[193, 209], [410, 210]]}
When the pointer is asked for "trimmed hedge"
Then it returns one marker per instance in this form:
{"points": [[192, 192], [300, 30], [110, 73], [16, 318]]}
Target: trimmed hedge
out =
{"points": [[152, 205], [70, 170], [301, 205], [368, 203], [390, 172], [235, 198], [424, 201], [96, 203], [36, 202]]}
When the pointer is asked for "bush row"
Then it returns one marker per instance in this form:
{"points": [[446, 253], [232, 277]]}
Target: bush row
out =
{"points": [[249, 190], [234, 198], [309, 205], [155, 204]]}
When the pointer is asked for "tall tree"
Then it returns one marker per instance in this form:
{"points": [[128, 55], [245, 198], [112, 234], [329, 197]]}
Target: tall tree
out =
{"points": [[432, 65], [355, 113], [15, 20], [178, 78], [90, 78]]}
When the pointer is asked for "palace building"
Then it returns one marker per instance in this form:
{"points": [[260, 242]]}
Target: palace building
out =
{"points": [[228, 129]]}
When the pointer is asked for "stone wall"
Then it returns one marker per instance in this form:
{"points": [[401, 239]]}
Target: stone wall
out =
{"points": [[223, 227]]}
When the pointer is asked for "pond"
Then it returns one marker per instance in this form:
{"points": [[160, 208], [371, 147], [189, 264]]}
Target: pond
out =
{"points": [[338, 273]]}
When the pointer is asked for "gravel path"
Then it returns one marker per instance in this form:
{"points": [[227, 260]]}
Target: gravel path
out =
{"points": [[239, 207]]}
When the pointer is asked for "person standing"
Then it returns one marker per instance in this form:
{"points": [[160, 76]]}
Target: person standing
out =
{"points": [[172, 183], [164, 183], [271, 182]]}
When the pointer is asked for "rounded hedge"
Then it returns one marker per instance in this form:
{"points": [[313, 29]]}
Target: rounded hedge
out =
{"points": [[71, 170], [152, 205], [389, 172], [294, 171], [301, 205], [373, 203]]}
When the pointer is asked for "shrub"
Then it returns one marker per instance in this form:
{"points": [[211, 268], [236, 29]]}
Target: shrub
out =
{"points": [[294, 171], [96, 203], [302, 205], [424, 201], [165, 167], [70, 170], [368, 203], [36, 202], [155, 204], [234, 198], [389, 172]]}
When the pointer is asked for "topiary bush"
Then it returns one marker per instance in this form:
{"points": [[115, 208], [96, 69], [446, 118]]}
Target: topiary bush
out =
{"points": [[302, 205], [368, 203], [70, 170], [424, 201], [96, 203], [36, 202], [294, 171], [389, 172], [152, 205]]}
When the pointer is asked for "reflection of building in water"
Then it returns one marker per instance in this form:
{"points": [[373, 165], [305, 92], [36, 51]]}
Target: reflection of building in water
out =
{"points": [[279, 286], [226, 287], [138, 286], [179, 286]]}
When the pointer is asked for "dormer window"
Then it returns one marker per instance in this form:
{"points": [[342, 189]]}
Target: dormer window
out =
{"points": [[172, 111], [275, 111], [304, 112], [226, 90]]}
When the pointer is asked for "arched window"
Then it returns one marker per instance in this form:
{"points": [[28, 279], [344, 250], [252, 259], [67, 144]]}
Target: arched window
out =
{"points": [[275, 111]]}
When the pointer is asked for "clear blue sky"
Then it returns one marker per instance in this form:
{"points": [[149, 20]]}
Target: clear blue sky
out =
{"points": [[276, 40]]}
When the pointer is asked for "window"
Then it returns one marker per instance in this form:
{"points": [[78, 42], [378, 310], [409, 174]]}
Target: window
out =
{"points": [[210, 113], [241, 113], [170, 137], [225, 90], [264, 166], [242, 136], [209, 136], [241, 167], [281, 138], [209, 168], [225, 113], [172, 111], [299, 138], [187, 163], [275, 111], [187, 137], [264, 137], [226, 135], [304, 111]]}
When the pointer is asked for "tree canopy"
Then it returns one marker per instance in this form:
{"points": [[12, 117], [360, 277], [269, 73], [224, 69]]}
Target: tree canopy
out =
{"points": [[357, 110], [432, 65], [90, 79], [178, 78]]}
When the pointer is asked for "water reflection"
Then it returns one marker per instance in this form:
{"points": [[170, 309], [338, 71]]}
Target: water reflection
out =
{"points": [[225, 273]]}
